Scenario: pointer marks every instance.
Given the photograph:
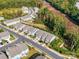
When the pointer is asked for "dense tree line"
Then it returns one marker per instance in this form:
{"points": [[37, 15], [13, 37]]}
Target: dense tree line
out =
{"points": [[19, 3], [11, 13], [69, 9]]}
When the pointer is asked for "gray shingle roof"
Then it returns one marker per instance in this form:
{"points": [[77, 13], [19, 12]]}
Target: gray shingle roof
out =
{"points": [[16, 49], [12, 20], [49, 38], [19, 26], [32, 30], [26, 18], [3, 56], [26, 28], [44, 36], [4, 35], [39, 34]]}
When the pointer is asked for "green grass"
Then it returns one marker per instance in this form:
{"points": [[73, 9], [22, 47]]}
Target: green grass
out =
{"points": [[1, 30], [56, 46], [12, 37], [16, 3], [41, 41], [56, 43], [32, 36], [25, 33], [10, 13], [68, 7], [4, 42]]}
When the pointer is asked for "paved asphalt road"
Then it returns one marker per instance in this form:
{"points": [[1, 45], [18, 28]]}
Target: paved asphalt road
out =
{"points": [[10, 44], [36, 45]]}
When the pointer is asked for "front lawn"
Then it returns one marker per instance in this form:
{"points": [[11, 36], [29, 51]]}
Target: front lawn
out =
{"points": [[32, 36], [4, 42], [1, 30], [12, 37]]}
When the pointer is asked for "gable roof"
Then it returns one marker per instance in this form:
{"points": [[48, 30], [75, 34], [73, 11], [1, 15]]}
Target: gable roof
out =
{"points": [[39, 34], [3, 56], [19, 26], [12, 21], [5, 34], [49, 38], [16, 49]]}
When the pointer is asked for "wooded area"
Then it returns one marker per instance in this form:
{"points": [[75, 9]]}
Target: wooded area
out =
{"points": [[68, 7]]}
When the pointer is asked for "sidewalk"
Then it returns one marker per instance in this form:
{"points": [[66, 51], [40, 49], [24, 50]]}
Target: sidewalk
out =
{"points": [[31, 39]]}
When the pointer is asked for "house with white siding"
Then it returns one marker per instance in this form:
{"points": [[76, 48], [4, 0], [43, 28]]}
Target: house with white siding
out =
{"points": [[27, 18], [43, 36], [17, 51], [26, 28], [5, 36], [39, 34], [12, 21], [36, 9], [32, 30], [49, 38], [25, 10], [18, 26]]}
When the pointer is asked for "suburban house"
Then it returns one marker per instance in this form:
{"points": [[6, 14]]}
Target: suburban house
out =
{"points": [[49, 38], [44, 36], [32, 30], [3, 56], [26, 18], [5, 36], [12, 21], [77, 5], [1, 18], [36, 9], [39, 34], [25, 29], [17, 51], [25, 10], [31, 13], [18, 26]]}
